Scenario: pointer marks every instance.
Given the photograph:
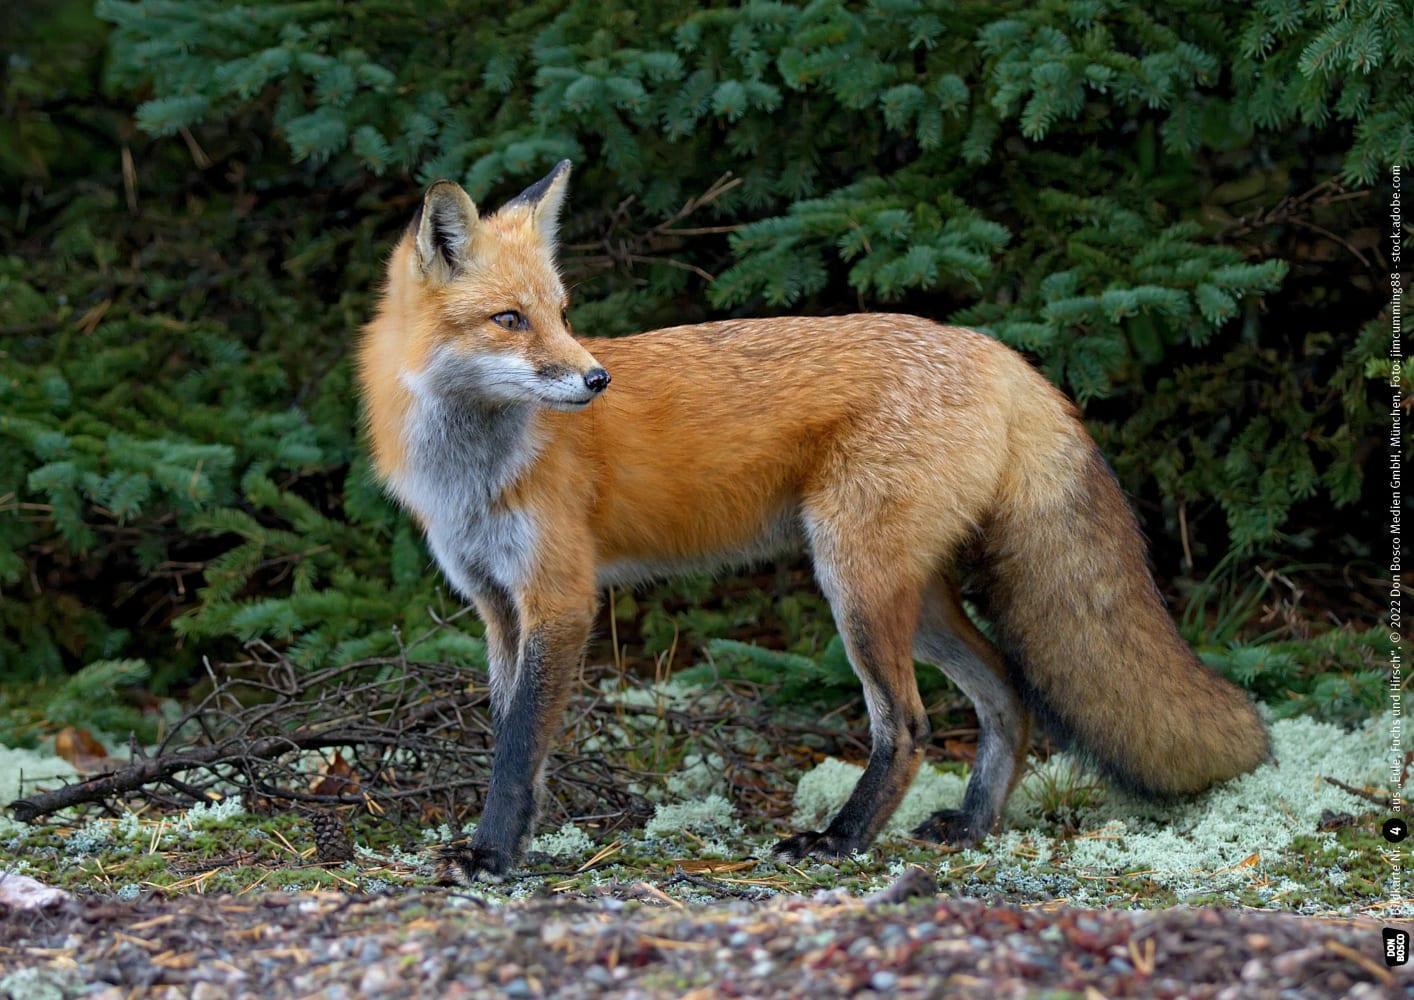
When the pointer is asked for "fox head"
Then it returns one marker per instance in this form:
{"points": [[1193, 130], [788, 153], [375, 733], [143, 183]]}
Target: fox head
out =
{"points": [[487, 307]]}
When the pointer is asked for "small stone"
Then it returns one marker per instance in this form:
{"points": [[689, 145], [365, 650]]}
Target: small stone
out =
{"points": [[554, 932], [374, 980], [1253, 970], [1292, 962], [22, 893], [883, 980], [861, 945]]}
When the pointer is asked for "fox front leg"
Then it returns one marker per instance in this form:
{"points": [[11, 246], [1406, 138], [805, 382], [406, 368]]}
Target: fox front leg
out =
{"points": [[526, 711]]}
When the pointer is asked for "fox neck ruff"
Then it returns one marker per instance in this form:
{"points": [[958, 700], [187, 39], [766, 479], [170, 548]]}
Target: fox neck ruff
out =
{"points": [[462, 454]]}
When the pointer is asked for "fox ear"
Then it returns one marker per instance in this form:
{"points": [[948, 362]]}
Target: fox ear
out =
{"points": [[444, 227], [546, 197]]}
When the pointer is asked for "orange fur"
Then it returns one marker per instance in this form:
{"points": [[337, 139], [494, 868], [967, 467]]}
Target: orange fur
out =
{"points": [[709, 431]]}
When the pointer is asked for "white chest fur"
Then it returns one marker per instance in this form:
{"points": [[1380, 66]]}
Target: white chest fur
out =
{"points": [[461, 456]]}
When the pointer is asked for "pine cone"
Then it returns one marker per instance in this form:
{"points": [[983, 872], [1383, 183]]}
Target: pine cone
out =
{"points": [[332, 840]]}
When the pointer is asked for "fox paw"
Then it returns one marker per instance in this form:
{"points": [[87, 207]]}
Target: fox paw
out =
{"points": [[952, 827], [461, 864], [815, 845]]}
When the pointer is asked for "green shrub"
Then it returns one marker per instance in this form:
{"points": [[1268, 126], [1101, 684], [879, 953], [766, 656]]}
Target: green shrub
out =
{"points": [[1133, 194]]}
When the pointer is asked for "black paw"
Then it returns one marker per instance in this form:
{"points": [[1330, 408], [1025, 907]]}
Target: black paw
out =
{"points": [[952, 827], [462, 864], [815, 845]]}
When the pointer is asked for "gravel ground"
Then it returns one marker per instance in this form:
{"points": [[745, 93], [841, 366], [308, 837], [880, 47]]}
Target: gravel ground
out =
{"points": [[636, 942]]}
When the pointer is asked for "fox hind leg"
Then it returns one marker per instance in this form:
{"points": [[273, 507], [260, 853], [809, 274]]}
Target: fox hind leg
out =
{"points": [[947, 639], [876, 620]]}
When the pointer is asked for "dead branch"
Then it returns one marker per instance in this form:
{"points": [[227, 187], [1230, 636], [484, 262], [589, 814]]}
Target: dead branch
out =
{"points": [[414, 740], [155, 770], [622, 246]]}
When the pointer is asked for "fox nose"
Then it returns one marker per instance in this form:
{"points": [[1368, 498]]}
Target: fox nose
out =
{"points": [[596, 380]]}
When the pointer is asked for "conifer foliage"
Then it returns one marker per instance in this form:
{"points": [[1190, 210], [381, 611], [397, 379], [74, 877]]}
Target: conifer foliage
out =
{"points": [[1133, 194]]}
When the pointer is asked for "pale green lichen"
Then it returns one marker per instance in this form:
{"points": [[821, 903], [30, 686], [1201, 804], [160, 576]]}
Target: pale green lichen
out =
{"points": [[443, 834], [1219, 842], [823, 790], [205, 815], [1201, 844], [32, 767], [709, 815], [698, 775], [41, 983], [668, 694], [91, 838], [128, 829], [569, 841]]}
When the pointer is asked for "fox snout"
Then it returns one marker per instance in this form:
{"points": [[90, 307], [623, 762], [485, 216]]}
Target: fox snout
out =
{"points": [[596, 380], [565, 387]]}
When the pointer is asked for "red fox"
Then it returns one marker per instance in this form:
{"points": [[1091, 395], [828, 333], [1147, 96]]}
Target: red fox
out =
{"points": [[908, 458]]}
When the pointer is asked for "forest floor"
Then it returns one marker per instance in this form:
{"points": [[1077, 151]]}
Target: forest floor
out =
{"points": [[635, 940], [1275, 884], [219, 903]]}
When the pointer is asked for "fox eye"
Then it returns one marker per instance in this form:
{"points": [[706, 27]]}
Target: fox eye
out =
{"points": [[511, 320]]}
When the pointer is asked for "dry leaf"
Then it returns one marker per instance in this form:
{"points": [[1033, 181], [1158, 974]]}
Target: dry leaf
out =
{"points": [[79, 748], [338, 778]]}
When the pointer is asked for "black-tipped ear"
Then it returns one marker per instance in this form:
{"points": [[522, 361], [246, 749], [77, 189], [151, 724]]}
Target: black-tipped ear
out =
{"points": [[546, 197], [444, 227]]}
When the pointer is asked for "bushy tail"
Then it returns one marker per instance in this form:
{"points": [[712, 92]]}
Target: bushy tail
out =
{"points": [[1092, 648]]}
